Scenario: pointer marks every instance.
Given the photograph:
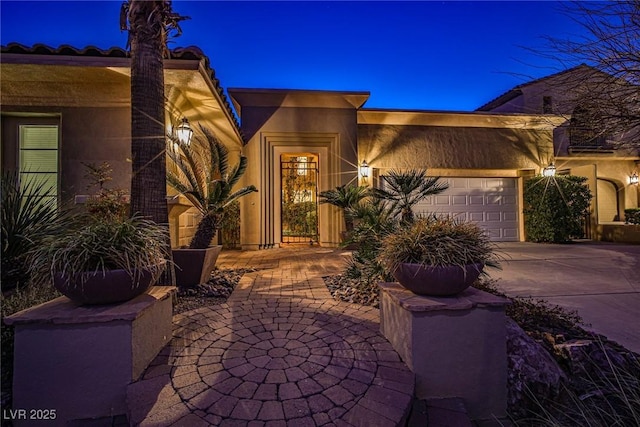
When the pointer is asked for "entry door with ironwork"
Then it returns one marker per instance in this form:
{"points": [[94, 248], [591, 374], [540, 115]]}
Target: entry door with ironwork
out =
{"points": [[299, 173]]}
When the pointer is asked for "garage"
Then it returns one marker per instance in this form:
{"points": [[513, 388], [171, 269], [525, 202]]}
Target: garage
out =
{"points": [[491, 202]]}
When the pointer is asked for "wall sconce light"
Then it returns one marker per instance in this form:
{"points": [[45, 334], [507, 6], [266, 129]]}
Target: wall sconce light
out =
{"points": [[633, 179], [364, 169], [549, 170], [184, 132]]}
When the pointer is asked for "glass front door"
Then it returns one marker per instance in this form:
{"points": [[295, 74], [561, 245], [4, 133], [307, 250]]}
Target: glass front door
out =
{"points": [[299, 177]]}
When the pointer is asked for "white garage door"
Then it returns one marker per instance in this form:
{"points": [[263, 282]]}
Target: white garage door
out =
{"points": [[491, 202]]}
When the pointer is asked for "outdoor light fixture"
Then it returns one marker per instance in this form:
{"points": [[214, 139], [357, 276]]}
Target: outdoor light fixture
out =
{"points": [[364, 169], [184, 132], [633, 179], [549, 170]]}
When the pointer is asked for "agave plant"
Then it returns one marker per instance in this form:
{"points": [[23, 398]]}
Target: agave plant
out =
{"points": [[203, 175], [408, 188], [345, 197]]}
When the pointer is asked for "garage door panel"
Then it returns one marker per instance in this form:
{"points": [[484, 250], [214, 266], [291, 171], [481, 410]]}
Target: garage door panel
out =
{"points": [[476, 216], [491, 202], [458, 183], [493, 199], [476, 200], [509, 200], [509, 216], [493, 217], [442, 200], [459, 200]]}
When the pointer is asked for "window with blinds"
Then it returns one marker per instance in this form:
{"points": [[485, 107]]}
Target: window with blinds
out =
{"points": [[38, 156]]}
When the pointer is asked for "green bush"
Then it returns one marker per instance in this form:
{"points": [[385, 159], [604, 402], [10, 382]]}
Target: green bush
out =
{"points": [[554, 208], [632, 216]]}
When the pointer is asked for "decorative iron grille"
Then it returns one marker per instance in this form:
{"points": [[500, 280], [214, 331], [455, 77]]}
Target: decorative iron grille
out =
{"points": [[299, 207]]}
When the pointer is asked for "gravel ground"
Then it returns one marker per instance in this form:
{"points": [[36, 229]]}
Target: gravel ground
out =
{"points": [[353, 291], [215, 291]]}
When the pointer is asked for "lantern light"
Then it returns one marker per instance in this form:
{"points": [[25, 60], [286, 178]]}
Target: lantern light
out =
{"points": [[549, 170], [633, 179], [364, 169], [184, 132]]}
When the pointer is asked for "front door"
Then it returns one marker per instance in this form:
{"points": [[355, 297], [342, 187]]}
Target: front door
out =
{"points": [[299, 173]]}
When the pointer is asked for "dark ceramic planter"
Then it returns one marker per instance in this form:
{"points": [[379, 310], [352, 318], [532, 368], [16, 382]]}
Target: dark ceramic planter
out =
{"points": [[194, 266], [437, 281], [107, 287]]}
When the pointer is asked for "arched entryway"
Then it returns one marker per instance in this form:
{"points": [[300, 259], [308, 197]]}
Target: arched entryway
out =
{"points": [[608, 201]]}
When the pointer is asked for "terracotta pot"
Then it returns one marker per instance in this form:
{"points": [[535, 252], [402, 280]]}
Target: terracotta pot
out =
{"points": [[194, 266], [437, 281], [107, 287]]}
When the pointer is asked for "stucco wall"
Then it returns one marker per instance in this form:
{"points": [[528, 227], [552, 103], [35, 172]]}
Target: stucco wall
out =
{"points": [[610, 169], [330, 132], [395, 146], [87, 135]]}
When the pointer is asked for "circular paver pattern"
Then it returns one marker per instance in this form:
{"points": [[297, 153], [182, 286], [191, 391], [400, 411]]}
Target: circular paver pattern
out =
{"points": [[284, 362]]}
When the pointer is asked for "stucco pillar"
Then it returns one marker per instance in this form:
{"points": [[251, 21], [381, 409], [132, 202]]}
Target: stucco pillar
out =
{"points": [[456, 346]]}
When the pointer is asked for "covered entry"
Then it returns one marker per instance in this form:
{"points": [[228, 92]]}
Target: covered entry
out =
{"points": [[299, 204]]}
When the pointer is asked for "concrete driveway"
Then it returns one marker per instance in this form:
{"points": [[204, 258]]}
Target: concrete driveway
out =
{"points": [[599, 280]]}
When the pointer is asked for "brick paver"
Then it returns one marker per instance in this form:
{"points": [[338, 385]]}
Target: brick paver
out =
{"points": [[281, 351]]}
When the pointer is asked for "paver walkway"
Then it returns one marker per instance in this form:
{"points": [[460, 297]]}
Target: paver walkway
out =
{"points": [[280, 352]]}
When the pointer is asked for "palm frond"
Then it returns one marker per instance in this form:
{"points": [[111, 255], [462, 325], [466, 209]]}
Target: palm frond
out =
{"points": [[204, 175]]}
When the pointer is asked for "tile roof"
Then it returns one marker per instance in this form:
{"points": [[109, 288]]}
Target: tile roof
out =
{"points": [[181, 53]]}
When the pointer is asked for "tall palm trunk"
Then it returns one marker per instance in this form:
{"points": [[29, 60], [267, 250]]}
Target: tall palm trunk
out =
{"points": [[147, 37], [148, 181]]}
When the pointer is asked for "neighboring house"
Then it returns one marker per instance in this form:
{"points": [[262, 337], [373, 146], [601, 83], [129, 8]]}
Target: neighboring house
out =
{"points": [[298, 143], [578, 148]]}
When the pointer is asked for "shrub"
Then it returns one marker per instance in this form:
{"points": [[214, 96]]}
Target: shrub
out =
{"points": [[380, 214], [554, 208], [632, 216], [27, 215], [373, 221], [345, 197]]}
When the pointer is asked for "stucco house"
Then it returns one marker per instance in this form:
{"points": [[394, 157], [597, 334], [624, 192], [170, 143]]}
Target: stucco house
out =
{"points": [[65, 106]]}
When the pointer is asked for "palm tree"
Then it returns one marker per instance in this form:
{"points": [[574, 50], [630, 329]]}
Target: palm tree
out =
{"points": [[203, 174], [149, 24], [345, 197], [147, 38], [406, 189]]}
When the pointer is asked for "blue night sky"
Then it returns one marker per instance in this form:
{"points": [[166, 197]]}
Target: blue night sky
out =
{"points": [[409, 55]]}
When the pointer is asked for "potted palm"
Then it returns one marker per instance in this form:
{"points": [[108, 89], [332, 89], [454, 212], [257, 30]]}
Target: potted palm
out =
{"points": [[437, 255], [101, 255], [201, 171]]}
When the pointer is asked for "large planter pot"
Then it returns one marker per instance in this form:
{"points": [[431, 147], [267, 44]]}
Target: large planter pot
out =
{"points": [[194, 266], [437, 281], [107, 287]]}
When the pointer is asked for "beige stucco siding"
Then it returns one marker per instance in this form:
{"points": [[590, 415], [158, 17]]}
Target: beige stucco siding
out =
{"points": [[330, 133], [390, 146], [88, 135]]}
